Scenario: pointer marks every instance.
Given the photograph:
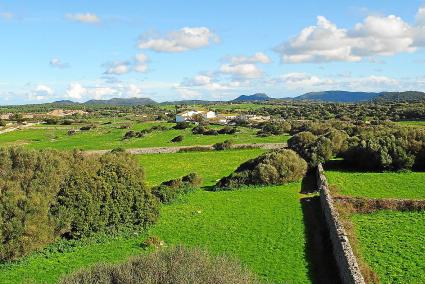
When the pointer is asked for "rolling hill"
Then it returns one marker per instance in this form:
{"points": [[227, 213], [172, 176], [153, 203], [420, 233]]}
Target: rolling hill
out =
{"points": [[254, 97], [338, 96]]}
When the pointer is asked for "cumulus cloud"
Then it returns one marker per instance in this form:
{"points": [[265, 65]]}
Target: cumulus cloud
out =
{"points": [[245, 70], [57, 63], [178, 41], [79, 92], [117, 68], [304, 82], [258, 57], [40, 92], [86, 18], [140, 63], [375, 36], [75, 91]]}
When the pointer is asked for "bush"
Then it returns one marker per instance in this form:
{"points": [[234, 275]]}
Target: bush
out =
{"points": [[86, 128], [170, 190], [226, 145], [277, 167], [48, 194], [51, 121], [133, 134], [182, 125], [314, 149], [273, 128], [379, 153], [177, 139], [2, 123], [227, 130], [67, 122], [173, 265]]}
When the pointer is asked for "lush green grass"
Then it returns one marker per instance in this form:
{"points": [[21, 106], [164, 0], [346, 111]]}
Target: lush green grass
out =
{"points": [[412, 123], [109, 137], [393, 244], [408, 185], [211, 165], [262, 227]]}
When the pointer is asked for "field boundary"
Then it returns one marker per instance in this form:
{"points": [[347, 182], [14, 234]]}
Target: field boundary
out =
{"points": [[345, 259], [369, 205], [175, 149]]}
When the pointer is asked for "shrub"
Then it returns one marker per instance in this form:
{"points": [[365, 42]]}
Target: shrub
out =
{"points": [[314, 149], [177, 265], [182, 125], [379, 153], [2, 123], [277, 167], [51, 121], [48, 194], [227, 130], [226, 145], [199, 129], [169, 191], [273, 128], [133, 134], [72, 132], [177, 139], [67, 122], [86, 128]]}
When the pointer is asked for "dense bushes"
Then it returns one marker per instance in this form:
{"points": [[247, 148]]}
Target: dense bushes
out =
{"points": [[182, 125], [277, 167], [225, 145], [168, 191], [314, 149], [178, 138], [273, 128], [47, 194], [176, 265]]}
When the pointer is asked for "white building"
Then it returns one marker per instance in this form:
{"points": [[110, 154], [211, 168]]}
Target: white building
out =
{"points": [[189, 115]]}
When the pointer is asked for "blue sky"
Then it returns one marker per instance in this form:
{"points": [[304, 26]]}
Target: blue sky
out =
{"points": [[170, 50]]}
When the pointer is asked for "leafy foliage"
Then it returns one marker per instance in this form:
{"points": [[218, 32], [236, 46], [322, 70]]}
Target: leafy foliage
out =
{"points": [[277, 167], [47, 194]]}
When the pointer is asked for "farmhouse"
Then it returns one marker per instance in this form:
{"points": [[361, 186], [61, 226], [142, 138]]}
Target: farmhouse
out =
{"points": [[192, 114]]}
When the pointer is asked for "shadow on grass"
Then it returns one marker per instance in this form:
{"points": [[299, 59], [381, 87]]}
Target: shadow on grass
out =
{"points": [[321, 262]]}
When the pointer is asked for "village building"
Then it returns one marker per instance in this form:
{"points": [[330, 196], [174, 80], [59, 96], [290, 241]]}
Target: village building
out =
{"points": [[192, 114]]}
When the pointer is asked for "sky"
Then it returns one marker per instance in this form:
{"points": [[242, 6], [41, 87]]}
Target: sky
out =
{"points": [[213, 50]]}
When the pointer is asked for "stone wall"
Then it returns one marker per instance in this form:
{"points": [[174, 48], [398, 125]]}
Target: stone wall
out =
{"points": [[346, 261]]}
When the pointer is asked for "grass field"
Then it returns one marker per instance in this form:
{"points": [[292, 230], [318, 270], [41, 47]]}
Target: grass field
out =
{"points": [[264, 228], [393, 244], [110, 137], [406, 185], [211, 166], [412, 123]]}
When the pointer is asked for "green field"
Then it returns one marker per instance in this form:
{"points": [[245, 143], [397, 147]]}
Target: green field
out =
{"points": [[211, 166], [110, 137], [405, 185], [262, 227], [393, 244], [412, 123]]}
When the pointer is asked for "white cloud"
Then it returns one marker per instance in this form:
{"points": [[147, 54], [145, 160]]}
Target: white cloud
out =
{"points": [[375, 36], [258, 57], [245, 70], [87, 18], [57, 63], [182, 40], [140, 64], [118, 68], [40, 92], [303, 82], [75, 91]]}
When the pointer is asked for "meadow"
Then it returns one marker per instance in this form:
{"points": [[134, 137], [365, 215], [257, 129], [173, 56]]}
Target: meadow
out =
{"points": [[404, 185], [392, 244], [416, 123], [211, 166], [262, 227], [109, 136]]}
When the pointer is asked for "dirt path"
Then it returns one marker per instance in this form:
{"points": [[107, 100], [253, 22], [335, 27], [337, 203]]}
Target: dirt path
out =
{"points": [[175, 149], [19, 127]]}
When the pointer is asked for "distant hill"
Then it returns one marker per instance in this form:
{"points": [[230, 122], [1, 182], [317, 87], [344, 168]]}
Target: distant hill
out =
{"points": [[400, 96], [122, 101], [254, 97], [64, 102], [338, 96], [190, 102]]}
